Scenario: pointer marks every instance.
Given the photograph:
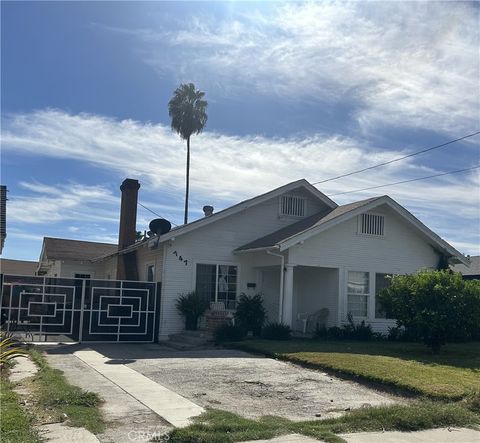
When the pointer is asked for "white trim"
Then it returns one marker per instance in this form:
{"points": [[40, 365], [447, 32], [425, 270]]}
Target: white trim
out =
{"points": [[232, 210], [217, 264], [154, 270], [427, 232]]}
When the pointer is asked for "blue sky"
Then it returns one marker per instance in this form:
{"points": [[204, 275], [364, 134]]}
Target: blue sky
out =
{"points": [[295, 90]]}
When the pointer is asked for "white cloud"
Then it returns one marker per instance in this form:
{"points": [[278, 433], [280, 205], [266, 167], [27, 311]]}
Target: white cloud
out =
{"points": [[225, 170], [410, 64], [47, 204]]}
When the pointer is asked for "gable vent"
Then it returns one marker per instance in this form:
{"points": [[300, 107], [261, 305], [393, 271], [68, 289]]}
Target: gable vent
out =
{"points": [[292, 205], [372, 224]]}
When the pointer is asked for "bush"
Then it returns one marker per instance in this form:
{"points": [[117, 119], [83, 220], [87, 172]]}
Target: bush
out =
{"points": [[250, 313], [276, 331], [434, 306], [360, 331], [350, 331], [228, 333], [191, 306]]}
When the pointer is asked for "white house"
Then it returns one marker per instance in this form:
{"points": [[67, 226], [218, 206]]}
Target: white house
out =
{"points": [[299, 249], [293, 244]]}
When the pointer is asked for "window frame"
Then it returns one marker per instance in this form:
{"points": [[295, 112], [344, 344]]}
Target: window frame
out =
{"points": [[217, 265], [360, 224], [147, 266], [367, 295], [299, 197]]}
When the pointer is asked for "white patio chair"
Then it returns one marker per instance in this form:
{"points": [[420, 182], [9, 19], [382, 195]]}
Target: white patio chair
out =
{"points": [[303, 317]]}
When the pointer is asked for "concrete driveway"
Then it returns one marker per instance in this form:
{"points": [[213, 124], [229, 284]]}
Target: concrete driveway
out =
{"points": [[249, 385]]}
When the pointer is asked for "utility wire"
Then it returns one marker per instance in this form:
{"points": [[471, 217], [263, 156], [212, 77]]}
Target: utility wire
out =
{"points": [[406, 181], [155, 213], [397, 159]]}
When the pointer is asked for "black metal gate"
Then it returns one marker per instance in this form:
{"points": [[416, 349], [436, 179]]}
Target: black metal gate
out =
{"points": [[80, 310]]}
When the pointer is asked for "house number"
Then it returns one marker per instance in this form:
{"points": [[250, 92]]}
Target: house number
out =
{"points": [[184, 260]]}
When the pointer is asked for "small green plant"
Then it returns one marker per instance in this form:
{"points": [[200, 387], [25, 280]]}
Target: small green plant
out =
{"points": [[276, 331], [250, 314], [227, 332], [357, 331], [350, 331], [10, 348], [192, 306]]}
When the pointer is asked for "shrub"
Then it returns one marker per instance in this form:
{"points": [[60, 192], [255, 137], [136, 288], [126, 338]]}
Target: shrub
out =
{"points": [[276, 331], [191, 306], [359, 331], [250, 313], [228, 333], [434, 306], [350, 331]]}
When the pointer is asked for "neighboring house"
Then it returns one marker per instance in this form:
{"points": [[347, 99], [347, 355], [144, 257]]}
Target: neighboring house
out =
{"points": [[18, 267], [61, 257], [471, 272], [294, 245]]}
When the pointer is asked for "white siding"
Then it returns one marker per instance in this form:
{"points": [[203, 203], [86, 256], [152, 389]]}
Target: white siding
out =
{"points": [[69, 268], [314, 289], [146, 257], [400, 251], [215, 244]]}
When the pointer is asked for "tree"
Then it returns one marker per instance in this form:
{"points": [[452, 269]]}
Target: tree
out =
{"points": [[434, 306], [187, 109]]}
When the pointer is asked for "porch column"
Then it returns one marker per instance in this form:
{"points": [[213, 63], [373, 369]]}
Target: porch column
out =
{"points": [[288, 295]]}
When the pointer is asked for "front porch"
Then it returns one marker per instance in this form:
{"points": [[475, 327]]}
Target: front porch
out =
{"points": [[310, 295]]}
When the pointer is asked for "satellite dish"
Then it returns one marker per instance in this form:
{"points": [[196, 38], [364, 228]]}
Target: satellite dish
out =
{"points": [[160, 226]]}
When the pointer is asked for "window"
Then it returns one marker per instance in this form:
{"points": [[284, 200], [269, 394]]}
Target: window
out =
{"points": [[358, 290], [381, 281], [150, 272], [292, 205], [372, 224], [82, 275], [217, 283]]}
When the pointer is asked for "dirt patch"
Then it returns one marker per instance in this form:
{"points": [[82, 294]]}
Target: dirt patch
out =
{"points": [[253, 386]]}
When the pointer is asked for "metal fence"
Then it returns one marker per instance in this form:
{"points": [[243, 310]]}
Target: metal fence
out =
{"points": [[79, 310]]}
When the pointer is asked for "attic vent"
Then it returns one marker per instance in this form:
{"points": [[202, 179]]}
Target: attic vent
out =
{"points": [[372, 224], [292, 205]]}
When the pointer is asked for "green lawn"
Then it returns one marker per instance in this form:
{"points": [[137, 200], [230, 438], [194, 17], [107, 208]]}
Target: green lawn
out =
{"points": [[217, 426], [15, 424], [57, 397], [453, 374]]}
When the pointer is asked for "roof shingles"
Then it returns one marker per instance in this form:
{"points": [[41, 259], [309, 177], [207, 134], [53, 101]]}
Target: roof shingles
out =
{"points": [[64, 249]]}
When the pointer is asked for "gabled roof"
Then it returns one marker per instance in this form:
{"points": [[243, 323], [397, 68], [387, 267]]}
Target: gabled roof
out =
{"points": [[184, 229], [473, 269], [273, 239], [65, 249], [346, 212]]}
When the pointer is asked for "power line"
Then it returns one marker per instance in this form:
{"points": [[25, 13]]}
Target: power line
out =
{"points": [[397, 159], [155, 213], [406, 181]]}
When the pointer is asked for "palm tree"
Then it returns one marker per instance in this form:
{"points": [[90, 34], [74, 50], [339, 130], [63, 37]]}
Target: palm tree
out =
{"points": [[187, 110]]}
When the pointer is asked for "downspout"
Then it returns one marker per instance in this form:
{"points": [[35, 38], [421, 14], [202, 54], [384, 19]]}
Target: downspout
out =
{"points": [[282, 272]]}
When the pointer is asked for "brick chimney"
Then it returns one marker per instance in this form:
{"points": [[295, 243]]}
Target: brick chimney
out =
{"points": [[127, 263]]}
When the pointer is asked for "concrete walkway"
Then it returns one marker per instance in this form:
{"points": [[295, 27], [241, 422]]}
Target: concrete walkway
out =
{"points": [[169, 405], [450, 435]]}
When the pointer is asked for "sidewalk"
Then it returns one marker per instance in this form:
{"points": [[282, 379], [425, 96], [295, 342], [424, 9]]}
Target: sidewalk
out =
{"points": [[451, 435]]}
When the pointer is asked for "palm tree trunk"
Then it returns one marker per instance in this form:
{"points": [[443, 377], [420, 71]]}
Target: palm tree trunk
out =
{"points": [[187, 188]]}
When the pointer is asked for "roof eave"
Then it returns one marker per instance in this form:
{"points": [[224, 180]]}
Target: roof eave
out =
{"points": [[263, 248]]}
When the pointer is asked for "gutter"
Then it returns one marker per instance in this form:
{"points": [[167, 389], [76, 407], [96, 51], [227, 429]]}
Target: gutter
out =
{"points": [[282, 273]]}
